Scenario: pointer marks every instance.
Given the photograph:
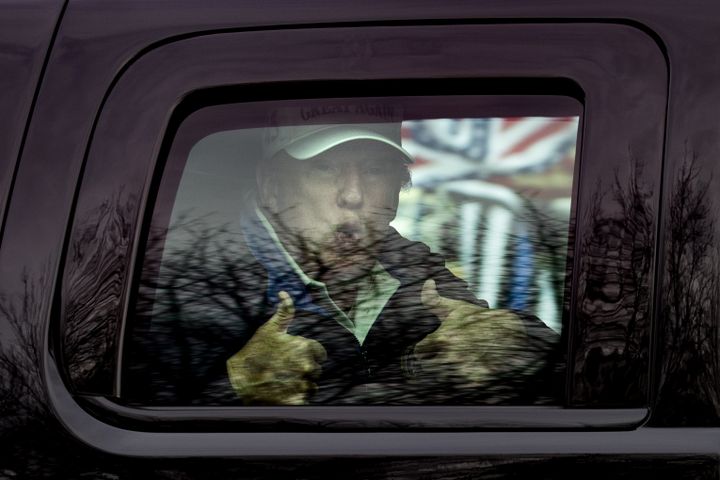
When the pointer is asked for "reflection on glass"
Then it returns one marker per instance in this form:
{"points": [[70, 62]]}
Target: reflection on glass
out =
{"points": [[365, 259]]}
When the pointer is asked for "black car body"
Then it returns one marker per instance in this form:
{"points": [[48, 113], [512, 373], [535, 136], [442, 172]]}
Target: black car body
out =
{"points": [[92, 93]]}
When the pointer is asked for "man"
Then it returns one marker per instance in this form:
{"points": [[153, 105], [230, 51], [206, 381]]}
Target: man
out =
{"points": [[355, 312]]}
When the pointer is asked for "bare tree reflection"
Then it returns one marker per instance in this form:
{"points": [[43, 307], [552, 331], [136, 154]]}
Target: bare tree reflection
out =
{"points": [[31, 439], [690, 376], [22, 396], [204, 291], [190, 308], [201, 292], [93, 287], [33, 442], [611, 334]]}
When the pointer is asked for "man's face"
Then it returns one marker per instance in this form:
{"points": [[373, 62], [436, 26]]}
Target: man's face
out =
{"points": [[332, 210]]}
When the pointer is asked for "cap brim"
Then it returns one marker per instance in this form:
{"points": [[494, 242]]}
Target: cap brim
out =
{"points": [[323, 140]]}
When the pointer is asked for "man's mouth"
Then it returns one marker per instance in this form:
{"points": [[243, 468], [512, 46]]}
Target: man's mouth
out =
{"points": [[349, 239], [347, 250]]}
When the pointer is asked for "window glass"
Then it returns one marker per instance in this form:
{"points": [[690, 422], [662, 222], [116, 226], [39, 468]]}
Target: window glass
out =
{"points": [[358, 251]]}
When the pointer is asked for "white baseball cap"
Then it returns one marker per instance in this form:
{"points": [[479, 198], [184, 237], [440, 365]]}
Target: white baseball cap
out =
{"points": [[304, 140]]}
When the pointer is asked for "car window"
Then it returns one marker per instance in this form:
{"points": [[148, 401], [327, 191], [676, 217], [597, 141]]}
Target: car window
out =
{"points": [[358, 251]]}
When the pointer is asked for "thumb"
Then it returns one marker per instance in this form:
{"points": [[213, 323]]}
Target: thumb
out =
{"points": [[285, 312], [437, 304]]}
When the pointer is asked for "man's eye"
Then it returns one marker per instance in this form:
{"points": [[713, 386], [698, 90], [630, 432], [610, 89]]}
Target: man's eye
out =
{"points": [[323, 167], [375, 170]]}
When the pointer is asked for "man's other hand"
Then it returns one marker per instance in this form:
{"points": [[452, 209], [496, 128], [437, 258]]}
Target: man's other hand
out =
{"points": [[275, 368], [472, 345]]}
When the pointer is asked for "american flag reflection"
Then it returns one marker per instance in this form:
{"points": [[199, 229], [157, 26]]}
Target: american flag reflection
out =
{"points": [[494, 196]]}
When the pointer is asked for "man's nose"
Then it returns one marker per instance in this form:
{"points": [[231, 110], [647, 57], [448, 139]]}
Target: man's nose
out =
{"points": [[350, 189]]}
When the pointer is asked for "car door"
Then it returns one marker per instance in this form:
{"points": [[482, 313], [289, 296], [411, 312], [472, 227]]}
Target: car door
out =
{"points": [[122, 108]]}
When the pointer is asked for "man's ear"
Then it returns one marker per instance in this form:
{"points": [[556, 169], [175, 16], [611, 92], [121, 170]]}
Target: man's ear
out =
{"points": [[266, 186]]}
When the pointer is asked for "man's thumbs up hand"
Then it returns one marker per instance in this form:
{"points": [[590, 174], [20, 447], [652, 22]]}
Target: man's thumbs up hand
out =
{"points": [[444, 307], [471, 343], [284, 314], [275, 368]]}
